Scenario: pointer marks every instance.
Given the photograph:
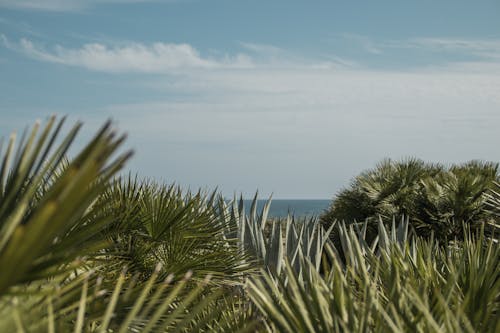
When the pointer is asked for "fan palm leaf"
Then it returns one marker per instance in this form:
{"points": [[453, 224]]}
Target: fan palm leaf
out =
{"points": [[39, 235]]}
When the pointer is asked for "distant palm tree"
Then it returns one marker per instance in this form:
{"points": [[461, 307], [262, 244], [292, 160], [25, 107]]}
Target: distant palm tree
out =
{"points": [[433, 197]]}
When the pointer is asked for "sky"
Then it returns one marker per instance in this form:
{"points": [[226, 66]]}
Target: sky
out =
{"points": [[289, 97]]}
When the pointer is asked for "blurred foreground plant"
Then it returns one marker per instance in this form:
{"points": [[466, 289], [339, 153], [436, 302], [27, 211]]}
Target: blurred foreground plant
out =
{"points": [[59, 268]]}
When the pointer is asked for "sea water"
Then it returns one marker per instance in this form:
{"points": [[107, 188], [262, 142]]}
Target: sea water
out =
{"points": [[295, 207]]}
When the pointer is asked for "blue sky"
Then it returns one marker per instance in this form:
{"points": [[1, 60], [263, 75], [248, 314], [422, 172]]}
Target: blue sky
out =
{"points": [[289, 97]]}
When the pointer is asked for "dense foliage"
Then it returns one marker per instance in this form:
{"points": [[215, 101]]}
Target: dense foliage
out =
{"points": [[436, 199], [83, 249]]}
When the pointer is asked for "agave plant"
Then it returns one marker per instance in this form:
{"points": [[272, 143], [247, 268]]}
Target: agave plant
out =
{"points": [[416, 286], [274, 241]]}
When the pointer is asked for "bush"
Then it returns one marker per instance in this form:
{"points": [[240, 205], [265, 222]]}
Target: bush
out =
{"points": [[436, 199]]}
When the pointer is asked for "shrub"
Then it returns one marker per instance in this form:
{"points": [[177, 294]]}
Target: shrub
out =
{"points": [[435, 199]]}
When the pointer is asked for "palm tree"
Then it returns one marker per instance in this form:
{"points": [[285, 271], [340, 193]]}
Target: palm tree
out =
{"points": [[44, 220], [155, 223], [454, 197], [435, 199], [59, 270]]}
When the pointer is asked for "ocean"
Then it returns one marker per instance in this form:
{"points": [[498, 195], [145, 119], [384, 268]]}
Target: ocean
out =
{"points": [[298, 208]]}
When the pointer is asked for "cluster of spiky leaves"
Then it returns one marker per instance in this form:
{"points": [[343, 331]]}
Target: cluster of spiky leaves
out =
{"points": [[84, 250], [394, 286], [42, 235], [155, 223], [436, 199], [273, 241], [87, 303], [64, 243]]}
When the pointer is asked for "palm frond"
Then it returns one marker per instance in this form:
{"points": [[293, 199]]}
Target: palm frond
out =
{"points": [[87, 304], [158, 223], [41, 235]]}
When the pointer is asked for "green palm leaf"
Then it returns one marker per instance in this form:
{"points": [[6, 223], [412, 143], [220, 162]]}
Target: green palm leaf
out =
{"points": [[38, 234]]}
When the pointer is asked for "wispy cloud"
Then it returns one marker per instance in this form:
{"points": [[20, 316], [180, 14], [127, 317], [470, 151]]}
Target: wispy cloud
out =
{"points": [[132, 57], [63, 5], [162, 57], [276, 57]]}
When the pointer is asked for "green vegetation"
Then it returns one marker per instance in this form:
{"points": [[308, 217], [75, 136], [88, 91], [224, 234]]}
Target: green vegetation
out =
{"points": [[83, 249], [434, 198]]}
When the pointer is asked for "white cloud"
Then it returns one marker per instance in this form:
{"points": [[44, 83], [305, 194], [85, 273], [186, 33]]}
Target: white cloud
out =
{"points": [[132, 57], [62, 5], [167, 57], [162, 57]]}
